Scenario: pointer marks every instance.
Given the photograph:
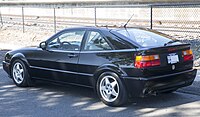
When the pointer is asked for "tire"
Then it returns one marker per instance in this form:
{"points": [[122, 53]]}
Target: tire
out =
{"points": [[20, 74], [111, 90]]}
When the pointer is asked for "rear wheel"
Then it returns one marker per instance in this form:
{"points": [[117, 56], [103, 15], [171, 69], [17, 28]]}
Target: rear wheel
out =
{"points": [[111, 89], [20, 74]]}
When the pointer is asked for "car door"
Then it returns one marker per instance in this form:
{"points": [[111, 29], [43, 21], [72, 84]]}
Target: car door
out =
{"points": [[59, 61], [96, 51]]}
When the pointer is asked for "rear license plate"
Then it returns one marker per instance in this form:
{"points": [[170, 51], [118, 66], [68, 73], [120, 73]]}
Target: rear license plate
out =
{"points": [[172, 58]]}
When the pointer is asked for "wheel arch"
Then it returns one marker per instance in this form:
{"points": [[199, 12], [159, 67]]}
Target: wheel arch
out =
{"points": [[118, 73], [107, 68], [19, 56]]}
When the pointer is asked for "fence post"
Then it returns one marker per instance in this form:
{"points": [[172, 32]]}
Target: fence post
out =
{"points": [[23, 19], [1, 18], [54, 19], [95, 16], [151, 17]]}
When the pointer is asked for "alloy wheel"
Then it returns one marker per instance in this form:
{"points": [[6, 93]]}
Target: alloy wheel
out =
{"points": [[109, 88], [18, 73]]}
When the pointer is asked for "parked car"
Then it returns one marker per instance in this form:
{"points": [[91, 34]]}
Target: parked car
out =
{"points": [[119, 63]]}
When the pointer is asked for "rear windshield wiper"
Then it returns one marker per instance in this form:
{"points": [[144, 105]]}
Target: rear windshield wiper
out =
{"points": [[170, 42]]}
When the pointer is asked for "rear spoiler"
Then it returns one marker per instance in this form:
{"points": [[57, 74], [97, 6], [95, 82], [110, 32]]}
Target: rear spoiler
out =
{"points": [[163, 49]]}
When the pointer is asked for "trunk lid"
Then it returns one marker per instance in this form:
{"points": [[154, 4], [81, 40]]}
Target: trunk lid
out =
{"points": [[171, 59]]}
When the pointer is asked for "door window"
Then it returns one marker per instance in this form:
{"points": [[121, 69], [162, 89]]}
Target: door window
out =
{"points": [[69, 41], [96, 42]]}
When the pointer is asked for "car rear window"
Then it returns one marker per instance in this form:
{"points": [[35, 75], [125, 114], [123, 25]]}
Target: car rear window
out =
{"points": [[145, 38]]}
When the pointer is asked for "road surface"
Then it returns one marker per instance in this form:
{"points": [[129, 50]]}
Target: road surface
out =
{"points": [[57, 101]]}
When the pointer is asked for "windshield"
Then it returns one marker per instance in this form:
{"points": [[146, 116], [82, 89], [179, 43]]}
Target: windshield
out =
{"points": [[145, 38]]}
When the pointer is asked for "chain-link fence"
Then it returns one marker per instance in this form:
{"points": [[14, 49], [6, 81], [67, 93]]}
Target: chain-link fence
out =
{"points": [[175, 20], [179, 21]]}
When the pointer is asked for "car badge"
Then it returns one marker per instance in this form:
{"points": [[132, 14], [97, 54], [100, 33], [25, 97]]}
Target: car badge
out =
{"points": [[173, 67]]}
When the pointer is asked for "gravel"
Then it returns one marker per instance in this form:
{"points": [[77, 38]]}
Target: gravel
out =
{"points": [[10, 34]]}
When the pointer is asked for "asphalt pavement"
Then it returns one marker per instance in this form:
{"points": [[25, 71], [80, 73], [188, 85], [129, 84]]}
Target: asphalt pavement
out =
{"points": [[52, 100]]}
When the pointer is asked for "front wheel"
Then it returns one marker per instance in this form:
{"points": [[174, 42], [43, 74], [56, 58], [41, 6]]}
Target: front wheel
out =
{"points": [[111, 89], [20, 74]]}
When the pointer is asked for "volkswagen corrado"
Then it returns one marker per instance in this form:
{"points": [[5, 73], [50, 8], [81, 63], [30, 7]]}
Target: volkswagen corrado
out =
{"points": [[118, 63]]}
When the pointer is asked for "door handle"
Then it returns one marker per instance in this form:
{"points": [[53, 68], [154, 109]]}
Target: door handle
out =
{"points": [[72, 55]]}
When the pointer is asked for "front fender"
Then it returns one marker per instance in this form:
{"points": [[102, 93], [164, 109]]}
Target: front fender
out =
{"points": [[21, 57]]}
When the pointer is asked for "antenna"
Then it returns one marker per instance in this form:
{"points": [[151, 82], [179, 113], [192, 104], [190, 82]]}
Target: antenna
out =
{"points": [[128, 21]]}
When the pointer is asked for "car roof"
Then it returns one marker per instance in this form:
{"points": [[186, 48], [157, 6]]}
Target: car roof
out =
{"points": [[104, 28], [89, 27]]}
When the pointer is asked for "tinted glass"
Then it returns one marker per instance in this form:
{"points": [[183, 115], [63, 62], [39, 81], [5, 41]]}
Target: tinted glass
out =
{"points": [[119, 44], [96, 42], [67, 41], [144, 38]]}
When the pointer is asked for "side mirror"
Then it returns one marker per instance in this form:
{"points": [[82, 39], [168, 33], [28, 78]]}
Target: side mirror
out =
{"points": [[43, 45]]}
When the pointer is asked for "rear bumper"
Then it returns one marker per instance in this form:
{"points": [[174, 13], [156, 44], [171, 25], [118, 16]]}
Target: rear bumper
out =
{"points": [[140, 87], [6, 67]]}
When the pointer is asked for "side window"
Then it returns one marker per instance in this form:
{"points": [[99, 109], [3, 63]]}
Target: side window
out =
{"points": [[96, 42], [70, 41]]}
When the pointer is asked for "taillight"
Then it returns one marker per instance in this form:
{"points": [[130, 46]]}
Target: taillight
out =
{"points": [[147, 61], [187, 55]]}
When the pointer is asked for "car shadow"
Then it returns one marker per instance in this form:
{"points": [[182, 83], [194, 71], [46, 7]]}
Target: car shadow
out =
{"points": [[87, 102], [56, 100]]}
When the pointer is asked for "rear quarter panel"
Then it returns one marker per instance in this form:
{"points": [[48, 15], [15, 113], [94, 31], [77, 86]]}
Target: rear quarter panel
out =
{"points": [[96, 62]]}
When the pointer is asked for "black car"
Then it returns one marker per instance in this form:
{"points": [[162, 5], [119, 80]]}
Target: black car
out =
{"points": [[119, 63]]}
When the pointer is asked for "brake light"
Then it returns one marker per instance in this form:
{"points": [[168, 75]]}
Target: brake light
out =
{"points": [[187, 55], [147, 61]]}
